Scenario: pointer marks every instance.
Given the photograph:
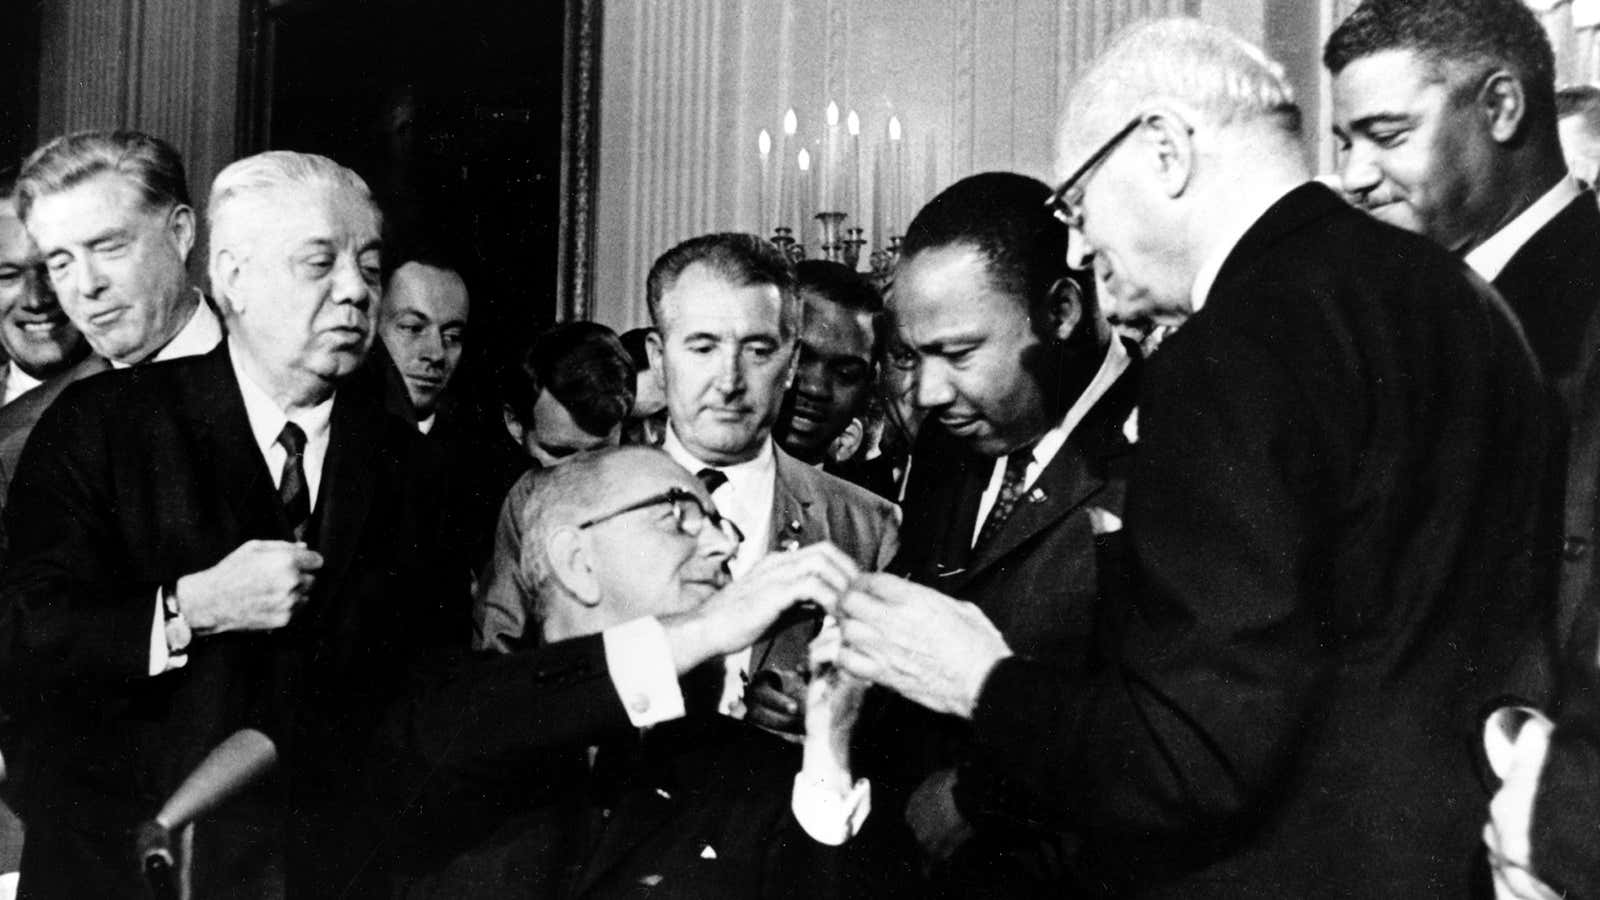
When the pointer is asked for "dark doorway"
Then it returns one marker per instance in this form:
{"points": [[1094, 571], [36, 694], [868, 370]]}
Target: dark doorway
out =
{"points": [[451, 109]]}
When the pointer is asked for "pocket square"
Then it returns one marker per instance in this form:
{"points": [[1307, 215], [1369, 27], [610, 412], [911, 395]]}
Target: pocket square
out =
{"points": [[708, 852]]}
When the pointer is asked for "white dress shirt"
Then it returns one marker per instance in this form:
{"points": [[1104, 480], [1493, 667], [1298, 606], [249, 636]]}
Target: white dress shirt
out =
{"points": [[198, 336], [426, 425], [1111, 368], [1489, 258], [266, 423], [18, 382]]}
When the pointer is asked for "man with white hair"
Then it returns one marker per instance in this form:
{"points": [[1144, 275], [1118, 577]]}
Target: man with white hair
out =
{"points": [[222, 542], [1333, 514]]}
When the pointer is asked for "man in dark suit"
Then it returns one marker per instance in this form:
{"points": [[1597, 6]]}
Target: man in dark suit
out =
{"points": [[1481, 169], [727, 321], [222, 542], [111, 215], [582, 768], [1334, 515], [1018, 476]]}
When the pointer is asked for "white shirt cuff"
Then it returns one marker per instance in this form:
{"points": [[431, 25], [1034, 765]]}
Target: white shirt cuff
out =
{"points": [[640, 662], [828, 812], [161, 659]]}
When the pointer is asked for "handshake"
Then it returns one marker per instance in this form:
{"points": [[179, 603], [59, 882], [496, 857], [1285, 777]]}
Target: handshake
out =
{"points": [[930, 648]]}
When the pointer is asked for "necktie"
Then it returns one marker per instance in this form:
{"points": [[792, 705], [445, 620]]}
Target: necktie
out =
{"points": [[712, 479], [1010, 493], [292, 490]]}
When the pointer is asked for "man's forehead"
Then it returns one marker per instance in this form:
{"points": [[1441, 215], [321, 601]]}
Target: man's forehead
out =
{"points": [[1388, 81], [302, 215], [833, 326], [16, 246], [704, 298], [635, 474], [103, 199], [428, 290]]}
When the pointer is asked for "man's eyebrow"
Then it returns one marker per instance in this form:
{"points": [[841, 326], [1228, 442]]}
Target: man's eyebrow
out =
{"points": [[1367, 122]]}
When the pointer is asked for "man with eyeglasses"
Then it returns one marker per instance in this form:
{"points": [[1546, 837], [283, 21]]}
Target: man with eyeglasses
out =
{"points": [[1334, 514], [596, 765]]}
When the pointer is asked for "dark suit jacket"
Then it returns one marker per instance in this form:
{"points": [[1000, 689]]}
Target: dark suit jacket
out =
{"points": [[18, 417], [483, 787], [1039, 582], [135, 478], [1335, 513], [1553, 285]]}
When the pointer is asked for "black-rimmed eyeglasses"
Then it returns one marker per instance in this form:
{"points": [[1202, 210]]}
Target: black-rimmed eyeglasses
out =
{"points": [[688, 513], [1067, 201]]}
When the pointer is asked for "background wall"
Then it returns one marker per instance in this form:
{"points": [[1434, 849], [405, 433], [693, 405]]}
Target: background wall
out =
{"points": [[687, 86], [169, 67]]}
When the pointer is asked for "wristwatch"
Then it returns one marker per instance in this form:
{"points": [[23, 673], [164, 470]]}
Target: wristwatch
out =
{"points": [[179, 634]]}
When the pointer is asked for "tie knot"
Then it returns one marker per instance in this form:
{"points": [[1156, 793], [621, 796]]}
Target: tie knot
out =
{"points": [[1017, 463], [712, 479], [293, 438]]}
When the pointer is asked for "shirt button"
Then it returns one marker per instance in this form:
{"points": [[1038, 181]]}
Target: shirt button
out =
{"points": [[640, 704]]}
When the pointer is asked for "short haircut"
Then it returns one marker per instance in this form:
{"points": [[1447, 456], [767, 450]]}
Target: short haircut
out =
{"points": [[269, 173], [1003, 216], [433, 252], [1480, 34], [743, 259], [558, 496], [1580, 100], [148, 162], [635, 341], [584, 367], [1218, 74]]}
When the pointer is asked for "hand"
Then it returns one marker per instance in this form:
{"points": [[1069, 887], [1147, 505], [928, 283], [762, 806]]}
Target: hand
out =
{"points": [[833, 702], [1508, 832], [929, 648], [775, 699], [734, 617], [257, 587], [937, 824]]}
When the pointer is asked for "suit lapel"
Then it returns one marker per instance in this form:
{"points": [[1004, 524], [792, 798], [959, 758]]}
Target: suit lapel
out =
{"points": [[348, 476], [792, 526], [221, 428], [647, 796]]}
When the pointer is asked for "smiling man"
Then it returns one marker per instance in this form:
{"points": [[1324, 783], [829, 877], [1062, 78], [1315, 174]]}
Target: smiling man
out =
{"points": [[727, 322], [35, 333], [220, 542]]}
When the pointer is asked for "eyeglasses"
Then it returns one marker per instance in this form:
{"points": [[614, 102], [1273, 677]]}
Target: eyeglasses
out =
{"points": [[1067, 201], [688, 513]]}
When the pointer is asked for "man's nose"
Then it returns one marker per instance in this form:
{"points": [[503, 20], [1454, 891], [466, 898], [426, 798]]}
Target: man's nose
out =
{"points": [[730, 371], [811, 378], [430, 346], [86, 278], [38, 293], [715, 543], [1358, 171], [349, 284], [933, 388]]}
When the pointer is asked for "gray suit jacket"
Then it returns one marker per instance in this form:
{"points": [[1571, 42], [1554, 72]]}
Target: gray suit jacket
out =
{"points": [[808, 506]]}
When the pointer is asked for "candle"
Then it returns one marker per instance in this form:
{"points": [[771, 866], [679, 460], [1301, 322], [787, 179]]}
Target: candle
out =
{"points": [[764, 147], [930, 182], [853, 124], [828, 199], [897, 176], [786, 190], [880, 237], [803, 197]]}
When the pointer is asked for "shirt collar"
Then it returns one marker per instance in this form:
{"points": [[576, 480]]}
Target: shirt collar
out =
{"points": [[740, 475], [198, 336], [1489, 258], [426, 425], [1206, 277], [1111, 368], [18, 382], [267, 419]]}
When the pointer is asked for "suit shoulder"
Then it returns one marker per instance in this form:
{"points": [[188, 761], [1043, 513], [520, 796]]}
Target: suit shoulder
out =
{"points": [[842, 493]]}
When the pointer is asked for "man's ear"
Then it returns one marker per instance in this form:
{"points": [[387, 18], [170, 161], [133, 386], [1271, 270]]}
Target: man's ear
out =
{"points": [[1504, 104], [1172, 142], [1065, 308], [653, 348], [572, 565], [224, 279], [513, 425], [180, 223]]}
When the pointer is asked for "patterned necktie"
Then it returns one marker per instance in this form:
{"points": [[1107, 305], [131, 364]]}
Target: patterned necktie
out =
{"points": [[712, 479], [1010, 493], [292, 490]]}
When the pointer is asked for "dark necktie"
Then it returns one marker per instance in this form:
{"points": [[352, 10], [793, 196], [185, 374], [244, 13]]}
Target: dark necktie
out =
{"points": [[292, 490], [712, 479], [1010, 493]]}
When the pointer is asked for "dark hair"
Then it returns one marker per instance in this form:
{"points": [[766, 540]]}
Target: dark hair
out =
{"points": [[1003, 216], [429, 250], [150, 163], [583, 365], [1483, 33], [838, 283], [743, 259], [634, 341]]}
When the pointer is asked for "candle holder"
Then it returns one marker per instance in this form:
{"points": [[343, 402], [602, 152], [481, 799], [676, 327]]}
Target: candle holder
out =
{"points": [[832, 243], [852, 247], [783, 239], [883, 262]]}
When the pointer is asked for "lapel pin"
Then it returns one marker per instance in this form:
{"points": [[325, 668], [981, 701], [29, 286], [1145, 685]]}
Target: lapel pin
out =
{"points": [[1036, 496]]}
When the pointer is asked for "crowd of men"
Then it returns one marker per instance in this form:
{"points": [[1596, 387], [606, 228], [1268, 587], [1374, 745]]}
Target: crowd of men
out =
{"points": [[1193, 528]]}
